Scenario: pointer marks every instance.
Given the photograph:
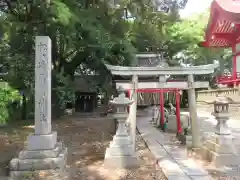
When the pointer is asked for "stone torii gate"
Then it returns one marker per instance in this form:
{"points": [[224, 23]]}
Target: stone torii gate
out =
{"points": [[136, 72]]}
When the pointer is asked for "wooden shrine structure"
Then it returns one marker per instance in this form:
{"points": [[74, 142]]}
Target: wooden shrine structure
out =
{"points": [[223, 30]]}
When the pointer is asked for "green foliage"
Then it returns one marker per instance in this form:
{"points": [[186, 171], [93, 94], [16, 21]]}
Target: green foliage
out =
{"points": [[87, 34], [9, 101], [64, 91], [184, 38], [83, 33], [20, 72]]}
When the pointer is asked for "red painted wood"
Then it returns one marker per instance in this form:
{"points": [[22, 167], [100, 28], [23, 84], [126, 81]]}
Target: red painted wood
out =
{"points": [[222, 14], [230, 37], [211, 24], [157, 90], [223, 30], [161, 91], [129, 94], [179, 128], [228, 79], [162, 107]]}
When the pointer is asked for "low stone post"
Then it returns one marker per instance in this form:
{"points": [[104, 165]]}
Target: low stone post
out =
{"points": [[120, 154], [219, 148]]}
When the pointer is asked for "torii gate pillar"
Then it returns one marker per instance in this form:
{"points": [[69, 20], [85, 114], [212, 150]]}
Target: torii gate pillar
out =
{"points": [[193, 113], [133, 110]]}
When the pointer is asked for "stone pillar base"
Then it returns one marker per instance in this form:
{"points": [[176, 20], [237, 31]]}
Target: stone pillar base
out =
{"points": [[42, 142], [157, 122], [152, 121], [39, 162], [120, 156], [121, 162], [188, 141], [219, 150]]}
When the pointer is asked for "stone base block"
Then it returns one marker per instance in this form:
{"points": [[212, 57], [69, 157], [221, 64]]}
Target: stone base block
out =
{"points": [[220, 150], [152, 121], [41, 154], [121, 162], [42, 142], [58, 162], [223, 148], [220, 144], [120, 140], [119, 151], [157, 123], [220, 160], [31, 163]]}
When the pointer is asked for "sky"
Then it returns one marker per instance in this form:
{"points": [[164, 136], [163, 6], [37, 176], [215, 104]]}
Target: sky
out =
{"points": [[195, 7]]}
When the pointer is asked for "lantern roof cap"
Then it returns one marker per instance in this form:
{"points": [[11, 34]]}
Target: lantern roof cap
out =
{"points": [[222, 100], [121, 100]]}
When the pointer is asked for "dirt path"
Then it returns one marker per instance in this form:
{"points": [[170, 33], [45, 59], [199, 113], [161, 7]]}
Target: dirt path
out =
{"points": [[87, 141]]}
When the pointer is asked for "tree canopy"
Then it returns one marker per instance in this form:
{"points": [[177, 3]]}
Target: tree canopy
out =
{"points": [[85, 34]]}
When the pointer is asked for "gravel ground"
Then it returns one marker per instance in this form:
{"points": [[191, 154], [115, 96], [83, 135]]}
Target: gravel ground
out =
{"points": [[86, 141]]}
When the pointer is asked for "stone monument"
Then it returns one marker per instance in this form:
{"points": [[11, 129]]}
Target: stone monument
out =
{"points": [[219, 148], [120, 154], [42, 151]]}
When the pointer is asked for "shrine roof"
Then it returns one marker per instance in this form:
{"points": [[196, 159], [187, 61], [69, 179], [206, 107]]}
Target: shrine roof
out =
{"points": [[147, 59], [223, 25]]}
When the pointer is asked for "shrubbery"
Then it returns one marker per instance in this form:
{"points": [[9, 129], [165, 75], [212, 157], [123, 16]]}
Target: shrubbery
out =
{"points": [[10, 104]]}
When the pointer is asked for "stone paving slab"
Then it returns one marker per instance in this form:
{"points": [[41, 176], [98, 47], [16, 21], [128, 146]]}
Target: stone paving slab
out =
{"points": [[170, 167], [172, 159], [175, 151], [178, 177], [201, 178], [157, 151], [190, 167]]}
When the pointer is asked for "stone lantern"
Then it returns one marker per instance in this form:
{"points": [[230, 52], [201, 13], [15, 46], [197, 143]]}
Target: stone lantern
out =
{"points": [[219, 148], [220, 112], [120, 153]]}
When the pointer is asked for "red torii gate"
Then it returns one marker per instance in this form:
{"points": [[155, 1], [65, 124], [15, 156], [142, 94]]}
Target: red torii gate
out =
{"points": [[162, 91], [223, 30]]}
